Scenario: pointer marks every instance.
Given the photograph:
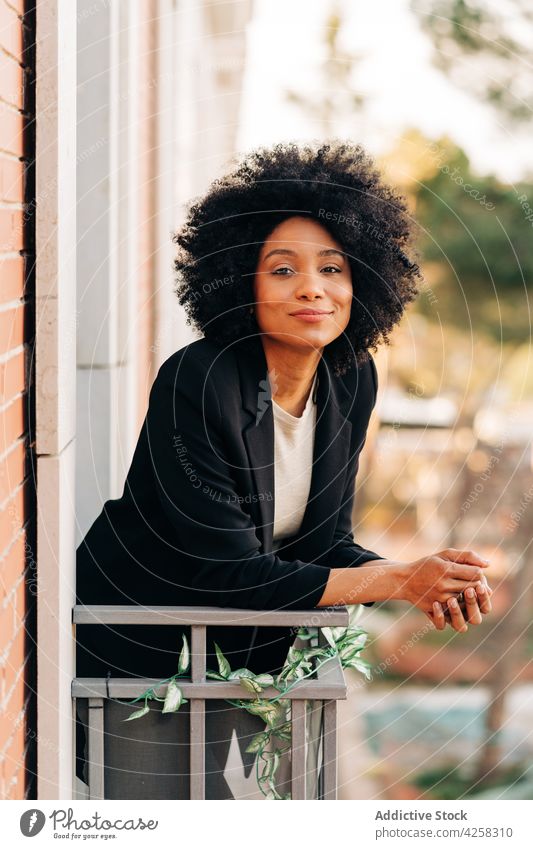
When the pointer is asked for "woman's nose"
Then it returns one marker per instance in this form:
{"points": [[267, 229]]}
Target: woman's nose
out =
{"points": [[310, 284]]}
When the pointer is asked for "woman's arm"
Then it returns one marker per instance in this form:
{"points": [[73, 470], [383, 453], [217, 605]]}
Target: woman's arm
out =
{"points": [[424, 582]]}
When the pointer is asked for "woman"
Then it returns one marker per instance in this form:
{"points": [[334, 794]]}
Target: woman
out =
{"points": [[241, 488]]}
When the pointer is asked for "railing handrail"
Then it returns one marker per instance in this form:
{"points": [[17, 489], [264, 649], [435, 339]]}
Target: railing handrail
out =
{"points": [[136, 614], [327, 687]]}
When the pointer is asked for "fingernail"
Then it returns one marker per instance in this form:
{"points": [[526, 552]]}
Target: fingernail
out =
{"points": [[470, 592], [481, 588], [453, 602]]}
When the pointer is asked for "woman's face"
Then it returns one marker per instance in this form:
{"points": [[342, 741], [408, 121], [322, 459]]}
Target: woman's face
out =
{"points": [[302, 285]]}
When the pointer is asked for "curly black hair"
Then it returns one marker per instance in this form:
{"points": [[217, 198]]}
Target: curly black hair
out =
{"points": [[338, 185]]}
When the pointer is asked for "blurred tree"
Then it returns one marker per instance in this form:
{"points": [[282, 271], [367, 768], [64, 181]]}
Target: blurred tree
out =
{"points": [[338, 97], [475, 241], [484, 49]]}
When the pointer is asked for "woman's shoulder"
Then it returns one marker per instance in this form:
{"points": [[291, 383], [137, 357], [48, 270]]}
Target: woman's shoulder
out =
{"points": [[362, 373], [200, 358]]}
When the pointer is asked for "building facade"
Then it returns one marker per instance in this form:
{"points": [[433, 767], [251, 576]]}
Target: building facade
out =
{"points": [[112, 116]]}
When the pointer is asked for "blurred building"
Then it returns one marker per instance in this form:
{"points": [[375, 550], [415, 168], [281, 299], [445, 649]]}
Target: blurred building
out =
{"points": [[113, 115]]}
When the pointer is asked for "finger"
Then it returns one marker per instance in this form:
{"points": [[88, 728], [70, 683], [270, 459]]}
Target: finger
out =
{"points": [[453, 586], [456, 614], [465, 572], [486, 583], [438, 616], [485, 604], [462, 556], [472, 611]]}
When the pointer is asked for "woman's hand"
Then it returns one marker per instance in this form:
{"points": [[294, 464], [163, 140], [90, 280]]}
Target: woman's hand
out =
{"points": [[443, 576], [458, 612]]}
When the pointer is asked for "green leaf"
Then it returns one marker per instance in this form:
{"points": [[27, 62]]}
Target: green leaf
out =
{"points": [[354, 614], [283, 735], [240, 673], [349, 652], [268, 713], [250, 685], [215, 675], [173, 699], [223, 666], [264, 679], [361, 666], [184, 659], [137, 714], [257, 742]]}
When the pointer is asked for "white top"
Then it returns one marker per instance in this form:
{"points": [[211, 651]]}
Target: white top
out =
{"points": [[294, 439]]}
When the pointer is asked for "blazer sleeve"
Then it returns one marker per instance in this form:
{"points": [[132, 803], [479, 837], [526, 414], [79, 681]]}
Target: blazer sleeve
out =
{"points": [[344, 551], [196, 489]]}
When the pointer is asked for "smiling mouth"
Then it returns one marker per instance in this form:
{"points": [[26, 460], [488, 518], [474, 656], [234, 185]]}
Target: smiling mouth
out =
{"points": [[311, 316]]}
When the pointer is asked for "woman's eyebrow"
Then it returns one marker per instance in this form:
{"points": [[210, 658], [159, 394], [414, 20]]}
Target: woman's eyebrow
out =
{"points": [[280, 251], [288, 252], [330, 252]]}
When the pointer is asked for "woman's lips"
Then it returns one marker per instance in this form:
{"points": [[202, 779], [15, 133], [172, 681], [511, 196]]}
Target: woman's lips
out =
{"points": [[311, 317]]}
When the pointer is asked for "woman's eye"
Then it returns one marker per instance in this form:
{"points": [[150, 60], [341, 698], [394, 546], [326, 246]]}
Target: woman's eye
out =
{"points": [[282, 270], [330, 268]]}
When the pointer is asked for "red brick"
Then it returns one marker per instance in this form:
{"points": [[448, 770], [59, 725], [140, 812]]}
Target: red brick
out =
{"points": [[7, 618], [11, 519], [19, 604], [14, 765], [11, 130], [11, 180], [12, 565], [11, 277], [12, 377], [12, 76], [12, 423], [14, 686], [11, 471], [11, 328], [10, 31], [14, 662], [11, 230]]}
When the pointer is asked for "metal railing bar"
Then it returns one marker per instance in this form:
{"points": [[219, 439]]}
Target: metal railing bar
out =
{"points": [[197, 749], [130, 688], [126, 614], [329, 674], [198, 653], [329, 744], [95, 748], [298, 749]]}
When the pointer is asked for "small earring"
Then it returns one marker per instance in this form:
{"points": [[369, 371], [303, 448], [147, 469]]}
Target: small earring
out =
{"points": [[251, 310]]}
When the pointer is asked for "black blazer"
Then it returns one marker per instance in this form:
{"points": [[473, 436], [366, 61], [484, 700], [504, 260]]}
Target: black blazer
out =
{"points": [[194, 523]]}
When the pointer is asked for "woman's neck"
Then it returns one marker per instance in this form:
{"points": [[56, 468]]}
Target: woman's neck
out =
{"points": [[291, 372]]}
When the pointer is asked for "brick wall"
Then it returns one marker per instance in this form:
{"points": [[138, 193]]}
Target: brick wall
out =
{"points": [[17, 484]]}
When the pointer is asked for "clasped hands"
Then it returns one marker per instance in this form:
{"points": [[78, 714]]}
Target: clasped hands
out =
{"points": [[450, 586]]}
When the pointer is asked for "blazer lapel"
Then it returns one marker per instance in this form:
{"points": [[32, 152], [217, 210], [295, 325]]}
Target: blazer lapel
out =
{"points": [[330, 458], [258, 435]]}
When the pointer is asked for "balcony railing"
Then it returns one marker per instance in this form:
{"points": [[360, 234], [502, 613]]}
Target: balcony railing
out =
{"points": [[325, 687]]}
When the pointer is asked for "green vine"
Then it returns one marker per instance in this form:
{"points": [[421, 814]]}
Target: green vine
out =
{"points": [[345, 643]]}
